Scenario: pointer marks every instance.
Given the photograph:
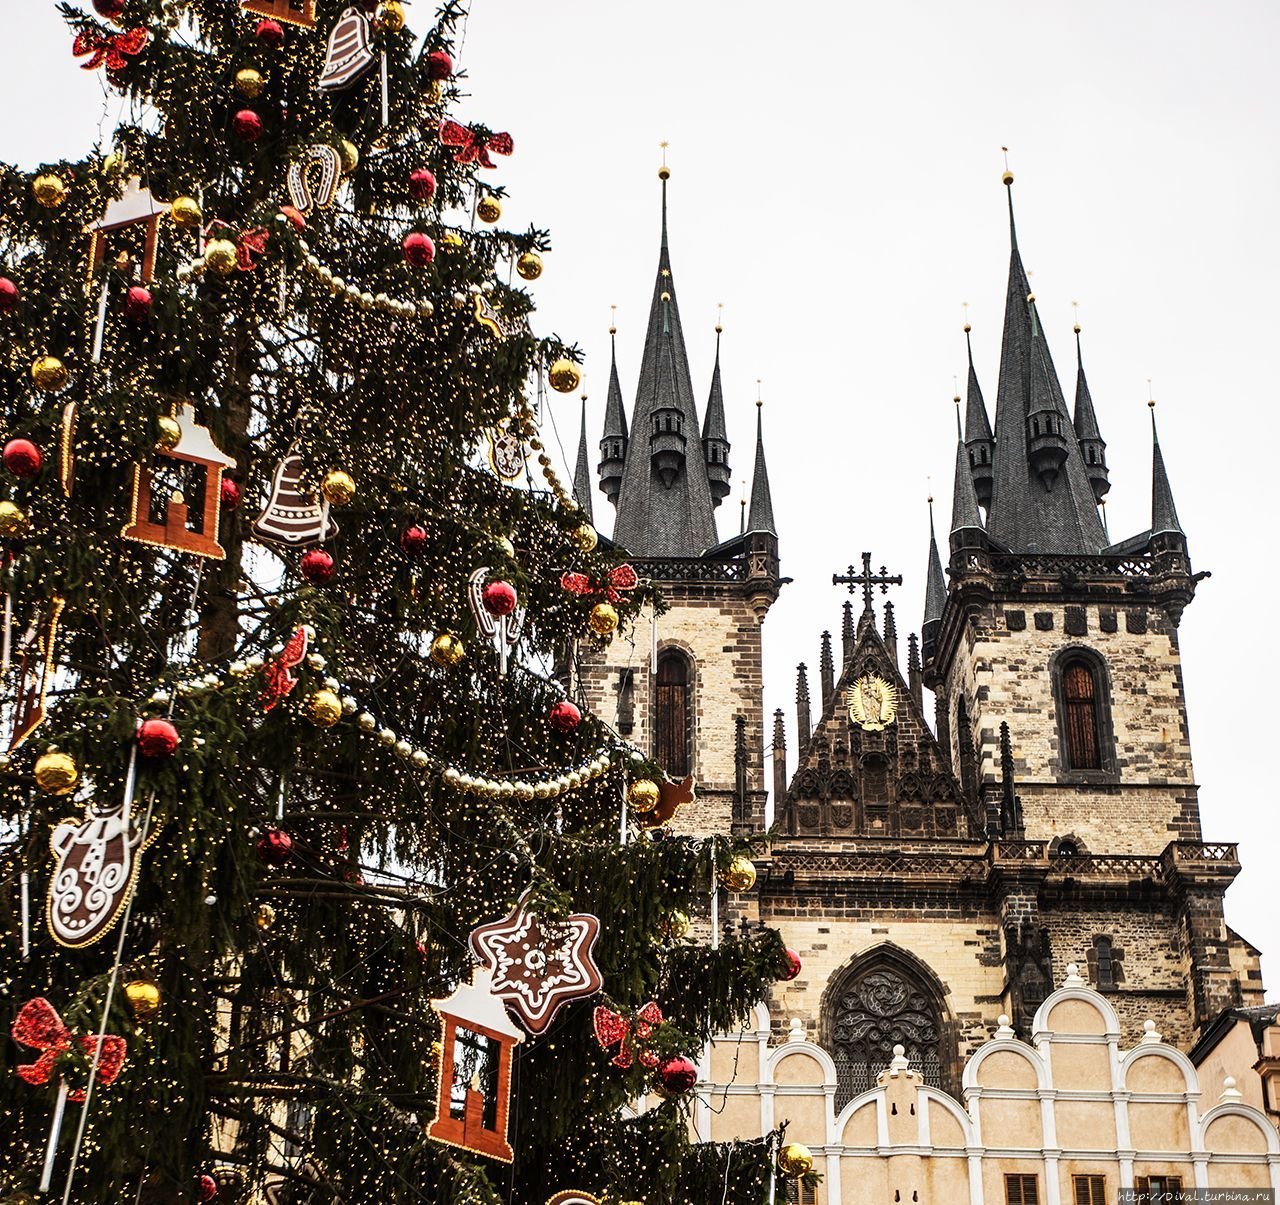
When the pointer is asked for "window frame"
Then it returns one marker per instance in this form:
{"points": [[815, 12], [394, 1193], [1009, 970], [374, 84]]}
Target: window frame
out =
{"points": [[1089, 1181], [667, 654], [1021, 1198], [1096, 664]]}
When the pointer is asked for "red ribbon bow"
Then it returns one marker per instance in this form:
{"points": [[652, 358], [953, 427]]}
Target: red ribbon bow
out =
{"points": [[618, 579], [252, 242], [278, 681], [114, 49], [473, 144], [38, 1025], [613, 1028]]}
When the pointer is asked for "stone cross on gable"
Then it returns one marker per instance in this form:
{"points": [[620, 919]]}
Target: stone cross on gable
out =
{"points": [[867, 580]]}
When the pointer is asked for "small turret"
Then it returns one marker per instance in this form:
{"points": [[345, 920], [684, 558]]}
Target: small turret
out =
{"points": [[979, 442], [935, 596], [1048, 436], [715, 438], [1092, 446], [668, 440], [966, 521], [613, 447], [1166, 528]]}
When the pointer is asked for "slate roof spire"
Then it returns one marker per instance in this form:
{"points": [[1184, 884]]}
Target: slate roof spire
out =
{"points": [[715, 436], [935, 594], [1092, 446], [966, 520], [978, 439], [582, 471], [613, 446], [1164, 515], [760, 514]]}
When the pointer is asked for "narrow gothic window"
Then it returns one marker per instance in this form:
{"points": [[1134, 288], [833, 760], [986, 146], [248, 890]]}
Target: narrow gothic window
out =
{"points": [[1080, 700], [1105, 972], [672, 714]]}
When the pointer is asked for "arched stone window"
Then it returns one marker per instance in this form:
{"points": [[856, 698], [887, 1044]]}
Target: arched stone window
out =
{"points": [[882, 1000], [673, 713], [1084, 721]]}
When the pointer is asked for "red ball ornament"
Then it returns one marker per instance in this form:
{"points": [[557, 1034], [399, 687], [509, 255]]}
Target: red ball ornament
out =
{"points": [[270, 32], [499, 598], [296, 220], [137, 304], [564, 716], [230, 494], [8, 294], [247, 126], [418, 249], [317, 566], [110, 9], [789, 966], [413, 540], [677, 1074], [22, 458], [439, 65], [157, 738], [275, 847], [207, 1187], [422, 184]]}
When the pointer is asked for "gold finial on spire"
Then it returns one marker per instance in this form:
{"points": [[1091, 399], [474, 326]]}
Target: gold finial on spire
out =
{"points": [[1151, 401], [759, 394], [1007, 178], [664, 172], [719, 317], [613, 320], [1075, 313], [964, 305]]}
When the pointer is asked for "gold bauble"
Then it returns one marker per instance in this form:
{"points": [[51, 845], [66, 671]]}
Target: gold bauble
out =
{"points": [[49, 189], [249, 82], [391, 15], [112, 163], [447, 649], [795, 1160], [185, 211], [603, 618], [143, 996], [168, 433], [338, 487], [643, 795], [451, 238], [676, 925], [220, 256], [56, 773], [13, 519], [506, 547], [584, 535], [529, 265], [349, 153], [741, 875], [49, 373], [565, 376], [265, 917], [433, 93], [324, 709], [489, 209]]}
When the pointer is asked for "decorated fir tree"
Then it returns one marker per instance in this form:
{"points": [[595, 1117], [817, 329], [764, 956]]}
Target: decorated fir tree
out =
{"points": [[317, 886]]}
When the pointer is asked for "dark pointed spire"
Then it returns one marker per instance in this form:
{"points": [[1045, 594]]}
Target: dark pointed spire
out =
{"points": [[935, 595], [804, 728], [1010, 808], [613, 447], [915, 677], [847, 632], [827, 671], [890, 631], [582, 473], [978, 439], [715, 436], [1164, 515], [966, 520], [1092, 446], [760, 513], [779, 759]]}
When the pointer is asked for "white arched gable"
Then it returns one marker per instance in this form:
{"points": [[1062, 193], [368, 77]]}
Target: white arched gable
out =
{"points": [[1010, 1046], [1159, 1050], [1236, 1108], [874, 1096], [1111, 1022], [823, 1059], [762, 1019], [937, 1097]]}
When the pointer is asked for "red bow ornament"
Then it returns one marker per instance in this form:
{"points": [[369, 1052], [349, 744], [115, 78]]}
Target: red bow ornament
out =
{"points": [[474, 145], [277, 673], [251, 243], [114, 49], [38, 1025], [612, 585], [615, 1029]]}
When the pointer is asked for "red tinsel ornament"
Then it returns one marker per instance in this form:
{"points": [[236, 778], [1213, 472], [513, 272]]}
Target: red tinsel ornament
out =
{"points": [[677, 1074], [275, 847], [22, 458], [317, 566], [789, 966], [418, 249], [612, 585], [614, 1029], [499, 598], [8, 294], [230, 494], [474, 145], [271, 33], [413, 540], [278, 679], [439, 65], [38, 1026], [564, 716], [157, 738], [137, 305], [247, 125], [114, 49], [422, 184], [207, 1187]]}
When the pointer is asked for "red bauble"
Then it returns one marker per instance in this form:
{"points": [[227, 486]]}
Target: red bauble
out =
{"points": [[789, 966], [247, 125], [564, 716], [422, 184], [439, 65], [275, 847], [418, 249], [137, 304], [271, 32], [8, 294], [499, 598], [110, 9], [22, 458], [230, 494], [296, 220], [157, 738], [413, 540], [677, 1074], [207, 1187], [317, 566]]}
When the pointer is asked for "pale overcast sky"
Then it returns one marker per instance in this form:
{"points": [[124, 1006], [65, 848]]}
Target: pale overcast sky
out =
{"points": [[835, 183]]}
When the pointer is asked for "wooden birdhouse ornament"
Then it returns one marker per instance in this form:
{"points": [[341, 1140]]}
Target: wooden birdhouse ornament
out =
{"points": [[473, 1097], [292, 12], [170, 522], [135, 207]]}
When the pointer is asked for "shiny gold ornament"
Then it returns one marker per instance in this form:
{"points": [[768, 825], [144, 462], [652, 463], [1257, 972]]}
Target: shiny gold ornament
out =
{"points": [[795, 1160], [584, 535], [49, 189], [324, 709], [873, 703], [391, 16], [643, 795], [185, 211], [676, 925], [447, 649], [349, 154], [220, 256], [13, 519], [433, 93], [143, 996], [603, 618], [49, 373], [451, 238], [741, 875], [529, 266], [265, 917], [249, 82], [112, 163], [489, 209], [565, 376], [56, 773], [168, 433], [338, 487], [507, 548]]}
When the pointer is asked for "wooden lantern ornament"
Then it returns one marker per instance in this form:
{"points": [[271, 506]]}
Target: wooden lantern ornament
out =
{"points": [[292, 12], [473, 1098], [134, 207], [181, 528]]}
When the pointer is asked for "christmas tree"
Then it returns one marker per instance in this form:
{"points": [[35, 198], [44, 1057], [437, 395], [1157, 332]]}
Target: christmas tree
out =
{"points": [[318, 887]]}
